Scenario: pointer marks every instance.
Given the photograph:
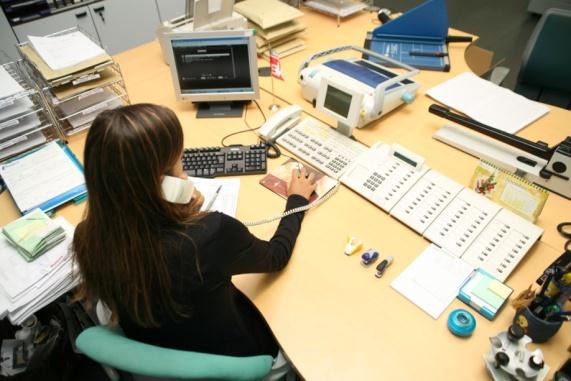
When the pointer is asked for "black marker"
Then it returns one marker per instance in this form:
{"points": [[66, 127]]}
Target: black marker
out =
{"points": [[428, 54], [381, 267]]}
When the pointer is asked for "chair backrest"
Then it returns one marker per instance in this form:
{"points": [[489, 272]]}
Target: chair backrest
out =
{"points": [[545, 74], [110, 347]]}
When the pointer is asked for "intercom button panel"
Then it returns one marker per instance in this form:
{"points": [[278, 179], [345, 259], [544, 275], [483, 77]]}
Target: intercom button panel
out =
{"points": [[424, 202], [384, 174], [502, 244], [321, 146], [461, 222]]}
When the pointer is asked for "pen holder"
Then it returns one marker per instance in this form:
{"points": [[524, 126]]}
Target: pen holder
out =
{"points": [[539, 330]]}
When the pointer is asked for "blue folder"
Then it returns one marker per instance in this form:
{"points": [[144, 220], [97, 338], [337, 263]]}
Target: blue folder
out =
{"points": [[76, 194], [422, 29]]}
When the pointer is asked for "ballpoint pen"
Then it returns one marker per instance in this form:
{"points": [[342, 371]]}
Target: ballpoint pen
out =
{"points": [[211, 202]]}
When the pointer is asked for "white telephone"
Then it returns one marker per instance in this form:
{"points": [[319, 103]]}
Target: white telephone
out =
{"points": [[177, 190], [280, 123]]}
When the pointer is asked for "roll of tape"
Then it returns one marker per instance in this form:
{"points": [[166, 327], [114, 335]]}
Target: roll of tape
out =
{"points": [[461, 323]]}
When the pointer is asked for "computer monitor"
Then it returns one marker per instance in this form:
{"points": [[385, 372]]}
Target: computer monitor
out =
{"points": [[340, 102], [216, 69]]}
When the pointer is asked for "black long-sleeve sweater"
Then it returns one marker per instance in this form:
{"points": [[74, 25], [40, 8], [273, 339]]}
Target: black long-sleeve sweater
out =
{"points": [[219, 318]]}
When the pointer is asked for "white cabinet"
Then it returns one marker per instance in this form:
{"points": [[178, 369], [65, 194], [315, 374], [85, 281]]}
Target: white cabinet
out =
{"points": [[118, 24], [169, 9], [124, 24], [79, 17]]}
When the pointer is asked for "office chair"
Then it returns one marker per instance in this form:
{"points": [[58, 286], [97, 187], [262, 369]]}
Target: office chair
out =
{"points": [[148, 362], [545, 73]]}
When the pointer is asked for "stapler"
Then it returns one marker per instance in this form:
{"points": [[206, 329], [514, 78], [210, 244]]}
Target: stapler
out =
{"points": [[548, 167]]}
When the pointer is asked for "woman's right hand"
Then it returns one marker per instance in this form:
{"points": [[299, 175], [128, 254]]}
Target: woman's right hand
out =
{"points": [[301, 183]]}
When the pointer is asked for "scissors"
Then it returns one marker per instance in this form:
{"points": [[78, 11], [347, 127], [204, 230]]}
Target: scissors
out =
{"points": [[564, 229]]}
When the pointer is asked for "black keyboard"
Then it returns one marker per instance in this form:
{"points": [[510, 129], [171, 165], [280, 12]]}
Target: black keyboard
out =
{"points": [[225, 161]]}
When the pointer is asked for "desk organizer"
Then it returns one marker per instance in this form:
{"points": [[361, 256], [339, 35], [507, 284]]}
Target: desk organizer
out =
{"points": [[74, 96], [25, 121]]}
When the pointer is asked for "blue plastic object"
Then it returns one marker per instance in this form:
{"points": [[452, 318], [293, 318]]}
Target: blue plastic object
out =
{"points": [[408, 98], [369, 256], [461, 323]]}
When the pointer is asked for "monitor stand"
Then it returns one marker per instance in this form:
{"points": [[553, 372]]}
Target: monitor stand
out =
{"points": [[231, 109]]}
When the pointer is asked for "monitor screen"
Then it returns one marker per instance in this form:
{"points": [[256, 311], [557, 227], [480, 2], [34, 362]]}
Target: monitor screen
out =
{"points": [[215, 66], [337, 101]]}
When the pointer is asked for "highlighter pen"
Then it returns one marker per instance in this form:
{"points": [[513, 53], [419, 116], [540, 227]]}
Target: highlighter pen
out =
{"points": [[428, 54], [381, 267]]}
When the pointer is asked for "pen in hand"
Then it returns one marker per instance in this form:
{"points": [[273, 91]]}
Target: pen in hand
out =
{"points": [[211, 202]]}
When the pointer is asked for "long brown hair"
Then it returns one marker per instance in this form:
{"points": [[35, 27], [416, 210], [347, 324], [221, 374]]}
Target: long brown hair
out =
{"points": [[118, 244]]}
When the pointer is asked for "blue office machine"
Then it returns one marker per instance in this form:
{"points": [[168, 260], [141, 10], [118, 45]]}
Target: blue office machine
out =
{"points": [[417, 38]]}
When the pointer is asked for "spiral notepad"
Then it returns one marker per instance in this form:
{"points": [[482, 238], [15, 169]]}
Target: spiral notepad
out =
{"points": [[510, 191]]}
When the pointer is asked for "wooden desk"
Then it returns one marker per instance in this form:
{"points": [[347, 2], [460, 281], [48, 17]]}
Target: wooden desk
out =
{"points": [[336, 320]]}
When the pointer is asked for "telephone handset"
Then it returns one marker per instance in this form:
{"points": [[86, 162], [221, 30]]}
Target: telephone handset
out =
{"points": [[177, 190], [280, 123]]}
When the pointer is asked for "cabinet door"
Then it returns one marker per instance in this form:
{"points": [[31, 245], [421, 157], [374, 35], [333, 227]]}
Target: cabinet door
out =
{"points": [[79, 17], [8, 41], [124, 24], [169, 9]]}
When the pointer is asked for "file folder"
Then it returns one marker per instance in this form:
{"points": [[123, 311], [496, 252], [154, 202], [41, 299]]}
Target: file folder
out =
{"points": [[33, 182]]}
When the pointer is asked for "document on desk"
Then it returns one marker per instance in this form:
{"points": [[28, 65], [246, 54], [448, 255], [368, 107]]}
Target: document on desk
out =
{"points": [[27, 286], [488, 103], [44, 178], [433, 280], [60, 52], [227, 199]]}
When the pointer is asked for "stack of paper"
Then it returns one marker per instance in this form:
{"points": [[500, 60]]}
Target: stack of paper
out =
{"points": [[57, 69], [33, 234], [276, 26], [80, 78], [20, 118], [26, 287]]}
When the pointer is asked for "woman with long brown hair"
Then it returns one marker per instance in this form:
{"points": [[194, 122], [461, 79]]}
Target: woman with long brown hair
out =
{"points": [[163, 268]]}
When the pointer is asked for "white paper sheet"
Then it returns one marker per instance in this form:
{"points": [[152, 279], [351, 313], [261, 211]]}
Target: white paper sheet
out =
{"points": [[60, 52], [8, 85], [19, 126], [19, 107], [433, 280], [227, 200], [41, 176], [488, 103]]}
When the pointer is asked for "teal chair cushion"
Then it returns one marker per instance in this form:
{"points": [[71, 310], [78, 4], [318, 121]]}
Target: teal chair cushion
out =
{"points": [[111, 348]]}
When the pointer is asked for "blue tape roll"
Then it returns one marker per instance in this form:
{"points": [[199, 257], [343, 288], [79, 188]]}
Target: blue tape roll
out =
{"points": [[461, 322]]}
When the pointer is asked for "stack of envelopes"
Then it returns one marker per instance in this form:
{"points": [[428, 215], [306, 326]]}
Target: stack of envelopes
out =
{"points": [[276, 24]]}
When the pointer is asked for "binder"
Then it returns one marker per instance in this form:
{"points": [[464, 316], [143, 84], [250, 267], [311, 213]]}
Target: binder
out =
{"points": [[22, 172], [423, 29]]}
